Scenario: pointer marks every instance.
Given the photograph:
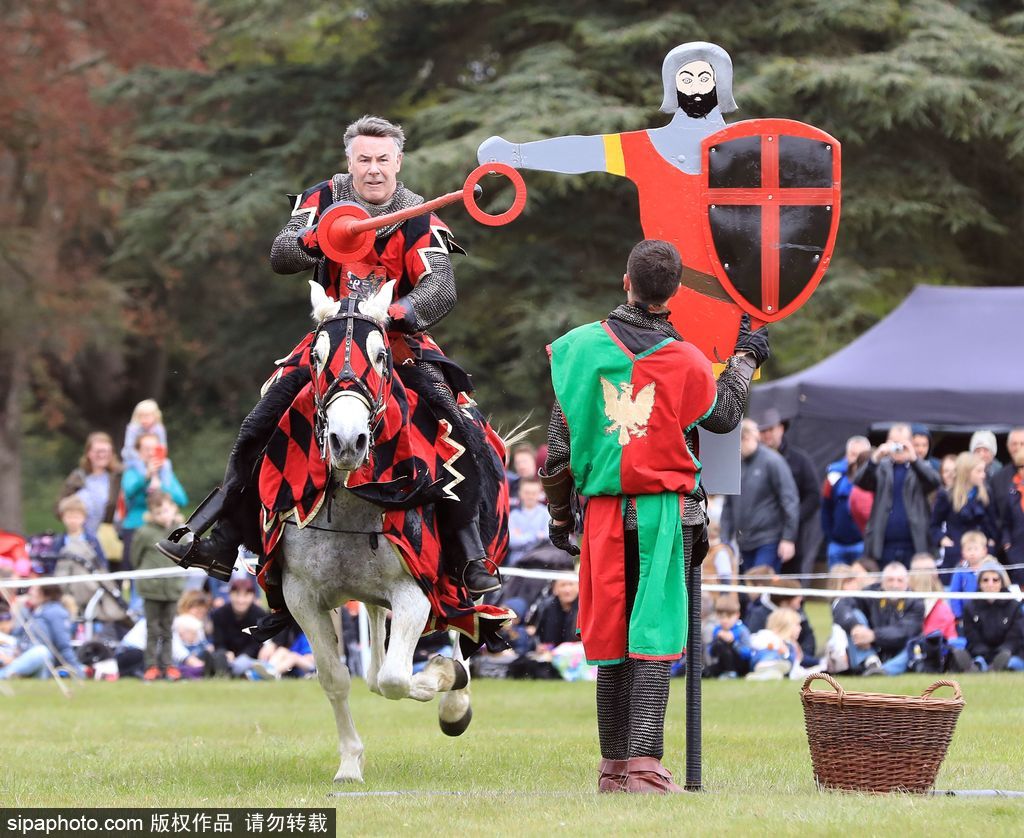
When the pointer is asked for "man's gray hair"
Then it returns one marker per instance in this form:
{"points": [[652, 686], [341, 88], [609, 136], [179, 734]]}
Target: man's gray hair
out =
{"points": [[719, 60], [373, 126]]}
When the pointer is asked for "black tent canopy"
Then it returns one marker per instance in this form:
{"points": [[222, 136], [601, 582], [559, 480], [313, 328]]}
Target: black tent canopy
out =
{"points": [[948, 358]]}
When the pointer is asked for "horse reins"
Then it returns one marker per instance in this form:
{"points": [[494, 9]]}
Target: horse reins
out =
{"points": [[375, 403]]}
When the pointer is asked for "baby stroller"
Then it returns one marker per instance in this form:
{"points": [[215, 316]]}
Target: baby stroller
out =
{"points": [[102, 611]]}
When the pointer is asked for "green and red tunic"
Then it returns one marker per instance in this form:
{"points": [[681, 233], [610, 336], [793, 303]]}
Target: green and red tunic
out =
{"points": [[627, 416]]}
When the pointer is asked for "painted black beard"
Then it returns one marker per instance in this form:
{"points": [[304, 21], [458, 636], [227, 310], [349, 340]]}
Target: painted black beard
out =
{"points": [[698, 105]]}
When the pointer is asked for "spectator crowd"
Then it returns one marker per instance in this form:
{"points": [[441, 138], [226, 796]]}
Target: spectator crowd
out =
{"points": [[891, 519]]}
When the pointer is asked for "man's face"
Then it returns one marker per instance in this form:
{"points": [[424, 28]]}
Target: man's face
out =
{"points": [[374, 163], [748, 443], [1015, 445], [566, 590], [695, 88], [983, 454], [900, 437], [895, 579], [772, 437], [921, 445], [529, 494]]}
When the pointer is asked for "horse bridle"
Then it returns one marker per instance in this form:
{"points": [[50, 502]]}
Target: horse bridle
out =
{"points": [[347, 380]]}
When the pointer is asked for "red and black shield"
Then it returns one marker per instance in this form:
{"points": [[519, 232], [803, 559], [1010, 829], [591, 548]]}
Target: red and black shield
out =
{"points": [[770, 211]]}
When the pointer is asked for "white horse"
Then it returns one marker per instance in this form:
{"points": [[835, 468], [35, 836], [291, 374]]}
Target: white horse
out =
{"points": [[337, 560]]}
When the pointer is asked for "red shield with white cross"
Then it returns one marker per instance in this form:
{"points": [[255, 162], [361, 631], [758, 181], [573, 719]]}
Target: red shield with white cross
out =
{"points": [[770, 211]]}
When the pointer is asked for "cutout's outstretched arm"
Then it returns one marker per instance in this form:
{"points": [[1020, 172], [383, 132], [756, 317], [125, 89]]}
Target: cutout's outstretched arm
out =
{"points": [[568, 155]]}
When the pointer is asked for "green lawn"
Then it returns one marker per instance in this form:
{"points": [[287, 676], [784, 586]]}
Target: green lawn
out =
{"points": [[527, 764]]}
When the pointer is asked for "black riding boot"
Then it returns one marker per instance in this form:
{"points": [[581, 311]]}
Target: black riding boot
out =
{"points": [[466, 560], [216, 553]]}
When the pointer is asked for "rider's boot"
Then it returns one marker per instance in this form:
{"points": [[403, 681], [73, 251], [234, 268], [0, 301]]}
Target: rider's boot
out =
{"points": [[279, 617], [217, 552], [468, 563]]}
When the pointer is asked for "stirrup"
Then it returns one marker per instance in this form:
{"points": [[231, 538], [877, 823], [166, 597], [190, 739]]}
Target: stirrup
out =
{"points": [[484, 562], [202, 519]]}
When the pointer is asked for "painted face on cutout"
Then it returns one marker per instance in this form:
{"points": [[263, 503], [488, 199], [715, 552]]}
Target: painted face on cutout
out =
{"points": [[695, 88]]}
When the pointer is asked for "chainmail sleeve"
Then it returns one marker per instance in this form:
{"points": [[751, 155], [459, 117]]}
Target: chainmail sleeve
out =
{"points": [[434, 295], [732, 387], [558, 442], [286, 257]]}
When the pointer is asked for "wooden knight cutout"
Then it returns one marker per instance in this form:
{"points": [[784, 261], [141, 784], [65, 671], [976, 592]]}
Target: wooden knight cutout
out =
{"points": [[752, 207]]}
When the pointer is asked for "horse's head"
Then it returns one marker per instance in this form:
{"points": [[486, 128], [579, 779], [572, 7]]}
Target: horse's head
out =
{"points": [[350, 365]]}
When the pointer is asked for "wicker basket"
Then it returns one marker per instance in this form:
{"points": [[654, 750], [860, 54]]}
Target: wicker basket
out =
{"points": [[877, 742]]}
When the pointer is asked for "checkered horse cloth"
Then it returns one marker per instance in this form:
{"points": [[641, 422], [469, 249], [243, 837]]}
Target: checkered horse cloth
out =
{"points": [[413, 464]]}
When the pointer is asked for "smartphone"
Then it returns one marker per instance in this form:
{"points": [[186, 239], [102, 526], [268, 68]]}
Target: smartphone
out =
{"points": [[160, 454]]}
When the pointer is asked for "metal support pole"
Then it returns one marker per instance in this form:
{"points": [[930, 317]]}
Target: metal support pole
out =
{"points": [[694, 667]]}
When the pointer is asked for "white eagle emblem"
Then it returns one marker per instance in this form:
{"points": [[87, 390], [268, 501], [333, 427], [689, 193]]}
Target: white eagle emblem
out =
{"points": [[627, 415]]}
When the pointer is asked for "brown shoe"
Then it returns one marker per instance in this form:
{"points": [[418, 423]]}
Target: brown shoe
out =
{"points": [[613, 775], [646, 775]]}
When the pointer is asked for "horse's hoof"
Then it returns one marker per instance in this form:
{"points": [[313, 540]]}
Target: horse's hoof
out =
{"points": [[456, 728], [461, 678], [345, 778]]}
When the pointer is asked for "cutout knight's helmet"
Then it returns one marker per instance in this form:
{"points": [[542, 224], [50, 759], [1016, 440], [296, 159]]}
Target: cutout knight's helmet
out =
{"points": [[717, 57]]}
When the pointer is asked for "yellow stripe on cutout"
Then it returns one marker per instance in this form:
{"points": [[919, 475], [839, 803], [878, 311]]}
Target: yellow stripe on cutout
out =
{"points": [[614, 163]]}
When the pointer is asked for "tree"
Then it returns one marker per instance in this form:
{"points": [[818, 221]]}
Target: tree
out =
{"points": [[64, 326], [924, 96]]}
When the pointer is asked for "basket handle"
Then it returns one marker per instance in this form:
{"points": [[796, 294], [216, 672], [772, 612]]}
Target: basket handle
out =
{"points": [[832, 682], [957, 694]]}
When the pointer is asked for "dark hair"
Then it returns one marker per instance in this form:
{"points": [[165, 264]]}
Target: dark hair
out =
{"points": [[654, 269], [51, 593]]}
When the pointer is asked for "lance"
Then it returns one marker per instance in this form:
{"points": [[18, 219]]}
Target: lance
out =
{"points": [[346, 231]]}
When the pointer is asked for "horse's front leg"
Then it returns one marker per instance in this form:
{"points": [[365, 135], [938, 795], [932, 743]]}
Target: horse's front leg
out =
{"points": [[376, 617], [333, 675], [409, 612], [454, 711]]}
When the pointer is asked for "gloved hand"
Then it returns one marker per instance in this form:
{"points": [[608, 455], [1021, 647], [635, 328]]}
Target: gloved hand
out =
{"points": [[403, 318], [307, 240], [497, 150], [559, 535], [756, 343]]}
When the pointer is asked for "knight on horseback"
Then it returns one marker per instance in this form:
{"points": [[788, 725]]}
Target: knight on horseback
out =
{"points": [[415, 253]]}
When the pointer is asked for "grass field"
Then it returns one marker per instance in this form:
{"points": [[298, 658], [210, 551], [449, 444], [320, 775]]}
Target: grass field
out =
{"points": [[526, 765]]}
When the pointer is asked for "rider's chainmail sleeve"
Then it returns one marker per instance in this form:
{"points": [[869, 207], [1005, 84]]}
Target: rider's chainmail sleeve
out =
{"points": [[732, 387], [434, 295], [286, 257]]}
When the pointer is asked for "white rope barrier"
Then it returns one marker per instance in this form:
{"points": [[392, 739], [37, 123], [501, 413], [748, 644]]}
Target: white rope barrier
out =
{"points": [[820, 593], [527, 573], [43, 581]]}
